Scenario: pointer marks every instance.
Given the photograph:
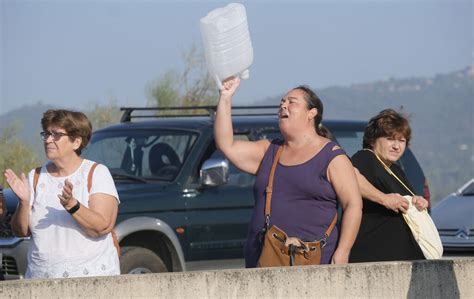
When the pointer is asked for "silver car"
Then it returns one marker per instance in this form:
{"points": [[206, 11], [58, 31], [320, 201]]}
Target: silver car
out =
{"points": [[454, 218]]}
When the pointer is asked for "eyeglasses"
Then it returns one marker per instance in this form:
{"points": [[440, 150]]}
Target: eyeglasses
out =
{"points": [[56, 135]]}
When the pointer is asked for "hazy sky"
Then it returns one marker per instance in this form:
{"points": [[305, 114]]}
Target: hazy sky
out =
{"points": [[77, 53]]}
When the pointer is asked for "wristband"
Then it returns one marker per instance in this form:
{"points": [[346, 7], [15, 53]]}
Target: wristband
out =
{"points": [[75, 208]]}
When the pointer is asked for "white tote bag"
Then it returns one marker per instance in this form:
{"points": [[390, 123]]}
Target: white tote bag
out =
{"points": [[424, 231]]}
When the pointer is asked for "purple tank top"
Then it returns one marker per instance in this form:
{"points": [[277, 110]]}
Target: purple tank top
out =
{"points": [[303, 202]]}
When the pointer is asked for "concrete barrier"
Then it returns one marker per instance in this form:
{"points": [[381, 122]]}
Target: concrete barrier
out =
{"points": [[420, 279]]}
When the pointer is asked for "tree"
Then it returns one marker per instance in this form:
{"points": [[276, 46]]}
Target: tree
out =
{"points": [[15, 154], [191, 87], [103, 115]]}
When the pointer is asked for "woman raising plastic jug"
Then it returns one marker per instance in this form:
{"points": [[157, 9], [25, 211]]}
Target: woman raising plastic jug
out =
{"points": [[312, 176]]}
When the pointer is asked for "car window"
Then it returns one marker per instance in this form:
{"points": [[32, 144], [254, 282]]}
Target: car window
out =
{"points": [[146, 154], [236, 177], [350, 141]]}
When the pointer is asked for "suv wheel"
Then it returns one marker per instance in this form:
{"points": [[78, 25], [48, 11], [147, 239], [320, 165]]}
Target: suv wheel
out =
{"points": [[139, 260]]}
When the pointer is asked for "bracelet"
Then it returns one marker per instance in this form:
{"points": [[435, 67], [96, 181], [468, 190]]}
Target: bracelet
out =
{"points": [[75, 208]]}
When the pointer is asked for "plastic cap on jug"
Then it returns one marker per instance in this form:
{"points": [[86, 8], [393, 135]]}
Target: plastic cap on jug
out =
{"points": [[244, 74]]}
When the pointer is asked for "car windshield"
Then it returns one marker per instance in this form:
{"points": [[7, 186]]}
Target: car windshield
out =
{"points": [[141, 155]]}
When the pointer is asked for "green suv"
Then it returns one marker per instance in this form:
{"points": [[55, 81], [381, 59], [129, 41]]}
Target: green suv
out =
{"points": [[183, 206]]}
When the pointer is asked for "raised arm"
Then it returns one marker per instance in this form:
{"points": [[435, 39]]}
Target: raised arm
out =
{"points": [[342, 177], [245, 155]]}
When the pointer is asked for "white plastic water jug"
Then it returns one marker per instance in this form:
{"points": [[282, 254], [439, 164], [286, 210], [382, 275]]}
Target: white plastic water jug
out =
{"points": [[227, 44]]}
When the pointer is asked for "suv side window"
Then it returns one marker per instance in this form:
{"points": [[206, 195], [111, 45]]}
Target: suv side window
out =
{"points": [[350, 141], [237, 177]]}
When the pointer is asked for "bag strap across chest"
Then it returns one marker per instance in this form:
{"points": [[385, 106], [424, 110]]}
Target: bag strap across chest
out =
{"points": [[385, 166], [269, 191]]}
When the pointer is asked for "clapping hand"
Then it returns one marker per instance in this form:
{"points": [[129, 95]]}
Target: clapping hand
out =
{"points": [[19, 185], [66, 198]]}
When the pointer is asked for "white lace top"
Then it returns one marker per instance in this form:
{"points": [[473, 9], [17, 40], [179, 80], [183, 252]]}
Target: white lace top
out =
{"points": [[59, 248]]}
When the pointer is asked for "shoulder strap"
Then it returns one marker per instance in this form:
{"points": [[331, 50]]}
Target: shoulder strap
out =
{"points": [[390, 171], [331, 227], [269, 189], [89, 186], [36, 178], [89, 177], [333, 153]]}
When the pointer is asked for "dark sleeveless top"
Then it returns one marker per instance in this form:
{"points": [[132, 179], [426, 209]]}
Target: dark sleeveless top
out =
{"points": [[303, 202]]}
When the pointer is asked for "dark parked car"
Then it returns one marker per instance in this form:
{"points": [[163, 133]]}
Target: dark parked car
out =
{"points": [[183, 205], [454, 218]]}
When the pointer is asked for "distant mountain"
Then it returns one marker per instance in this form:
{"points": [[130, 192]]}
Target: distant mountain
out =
{"points": [[441, 111], [28, 120]]}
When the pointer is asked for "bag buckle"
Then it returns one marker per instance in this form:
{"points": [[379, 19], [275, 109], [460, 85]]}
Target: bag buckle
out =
{"points": [[323, 242], [267, 222]]}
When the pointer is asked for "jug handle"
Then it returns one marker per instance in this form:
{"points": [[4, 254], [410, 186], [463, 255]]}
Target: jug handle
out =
{"points": [[218, 82], [244, 74]]}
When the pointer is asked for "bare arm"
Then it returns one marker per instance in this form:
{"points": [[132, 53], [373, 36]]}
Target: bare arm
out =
{"points": [[392, 201], [21, 218], [245, 155], [342, 177], [96, 220]]}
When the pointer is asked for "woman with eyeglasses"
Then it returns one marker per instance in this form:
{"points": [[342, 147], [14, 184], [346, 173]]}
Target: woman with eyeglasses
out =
{"points": [[68, 206]]}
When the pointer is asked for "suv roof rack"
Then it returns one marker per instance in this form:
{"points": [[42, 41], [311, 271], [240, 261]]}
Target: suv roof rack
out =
{"points": [[191, 111]]}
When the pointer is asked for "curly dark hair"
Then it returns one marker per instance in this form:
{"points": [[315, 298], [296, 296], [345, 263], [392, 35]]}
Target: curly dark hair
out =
{"points": [[387, 123], [76, 124]]}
